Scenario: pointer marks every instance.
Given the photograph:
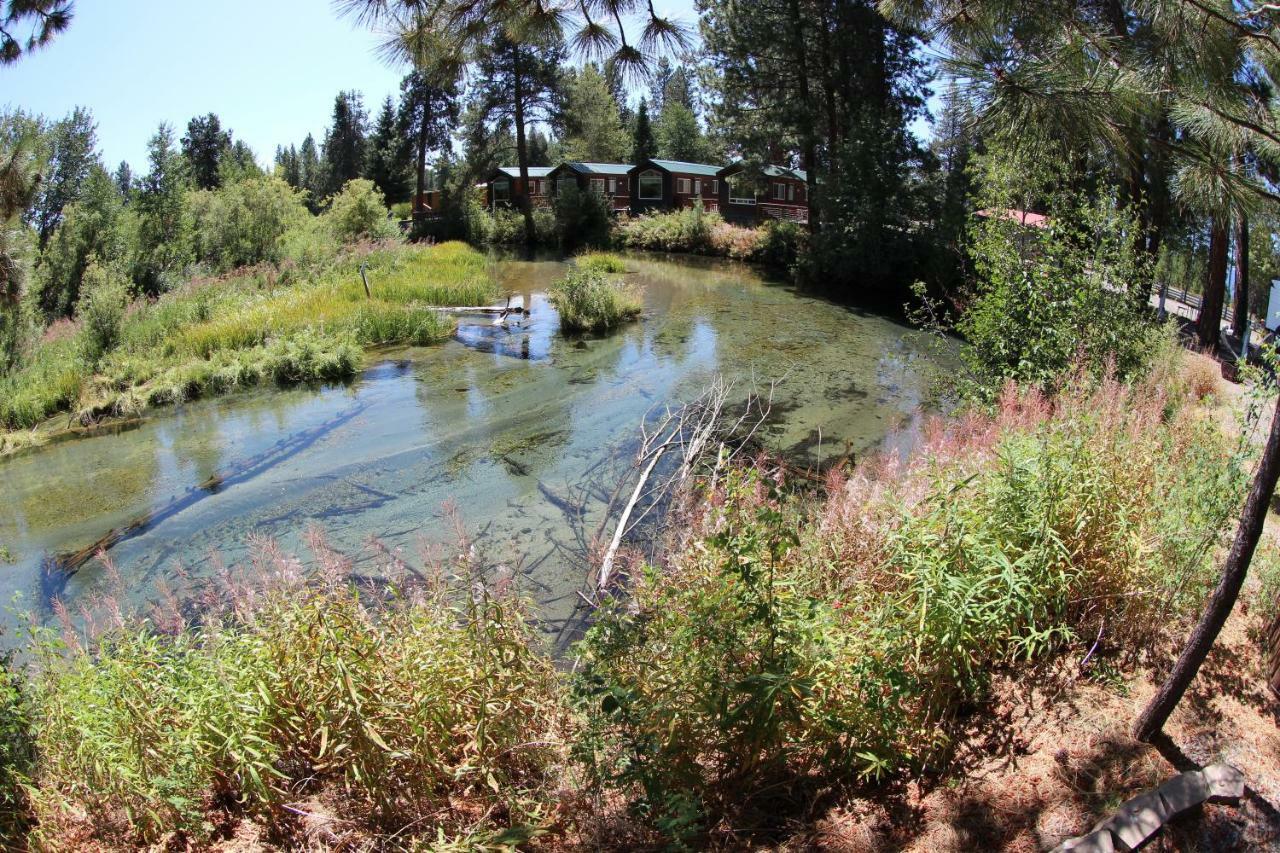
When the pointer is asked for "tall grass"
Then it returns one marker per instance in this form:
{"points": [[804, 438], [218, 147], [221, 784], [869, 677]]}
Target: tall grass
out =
{"points": [[589, 300], [260, 323], [796, 638], [693, 231], [424, 712]]}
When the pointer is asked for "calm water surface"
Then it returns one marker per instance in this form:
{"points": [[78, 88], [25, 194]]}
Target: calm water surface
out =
{"points": [[521, 430]]}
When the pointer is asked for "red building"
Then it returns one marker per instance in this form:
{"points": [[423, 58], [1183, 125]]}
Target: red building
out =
{"points": [[608, 179], [672, 184], [505, 187], [773, 192]]}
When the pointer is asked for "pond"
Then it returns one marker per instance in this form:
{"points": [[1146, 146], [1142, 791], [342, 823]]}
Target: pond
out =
{"points": [[516, 434]]}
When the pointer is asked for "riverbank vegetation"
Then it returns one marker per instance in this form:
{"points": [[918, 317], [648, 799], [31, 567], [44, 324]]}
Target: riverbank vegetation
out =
{"points": [[782, 637], [590, 299]]}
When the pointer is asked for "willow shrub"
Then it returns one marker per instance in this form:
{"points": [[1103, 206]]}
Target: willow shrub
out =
{"points": [[589, 300], [825, 639], [423, 715]]}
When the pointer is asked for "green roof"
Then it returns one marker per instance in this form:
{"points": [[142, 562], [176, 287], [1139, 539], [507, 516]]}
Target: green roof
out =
{"points": [[773, 170], [599, 168], [686, 168], [534, 171]]}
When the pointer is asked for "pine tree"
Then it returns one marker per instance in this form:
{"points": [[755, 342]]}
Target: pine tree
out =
{"points": [[312, 173], [388, 152], [643, 143], [428, 111], [204, 145], [593, 129], [41, 20], [519, 82], [679, 135], [124, 180], [344, 143]]}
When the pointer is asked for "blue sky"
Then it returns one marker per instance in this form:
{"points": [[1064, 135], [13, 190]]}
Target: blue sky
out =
{"points": [[268, 68]]}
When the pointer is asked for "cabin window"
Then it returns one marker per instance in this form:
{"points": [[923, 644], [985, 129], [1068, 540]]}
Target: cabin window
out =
{"points": [[741, 191], [715, 186], [613, 186], [502, 190], [791, 192], [564, 183], [682, 186], [650, 185], [779, 192], [597, 185]]}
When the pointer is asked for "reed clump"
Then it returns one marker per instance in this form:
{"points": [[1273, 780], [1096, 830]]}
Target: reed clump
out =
{"points": [[590, 300]]}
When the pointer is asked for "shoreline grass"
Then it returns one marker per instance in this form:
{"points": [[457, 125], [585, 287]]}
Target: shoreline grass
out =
{"points": [[590, 300], [258, 324]]}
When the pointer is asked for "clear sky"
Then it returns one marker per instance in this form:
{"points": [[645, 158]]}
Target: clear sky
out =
{"points": [[268, 68]]}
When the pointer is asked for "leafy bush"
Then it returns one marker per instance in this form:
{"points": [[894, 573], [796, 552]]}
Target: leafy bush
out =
{"points": [[505, 226], [1047, 300], [582, 218], [422, 713], [17, 752], [244, 223], [588, 300], [795, 638], [685, 230], [104, 298], [359, 212]]}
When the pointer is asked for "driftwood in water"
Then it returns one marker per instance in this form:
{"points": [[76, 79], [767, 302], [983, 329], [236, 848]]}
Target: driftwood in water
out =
{"points": [[691, 430]]}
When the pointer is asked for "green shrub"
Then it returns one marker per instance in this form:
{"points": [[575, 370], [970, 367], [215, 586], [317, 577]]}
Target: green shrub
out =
{"points": [[245, 223], [1046, 301], [686, 230], [582, 218], [17, 752], [422, 714], [588, 300], [796, 638], [359, 212], [103, 300]]}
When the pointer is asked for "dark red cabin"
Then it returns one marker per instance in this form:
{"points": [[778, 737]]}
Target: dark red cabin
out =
{"points": [[672, 184], [773, 192]]}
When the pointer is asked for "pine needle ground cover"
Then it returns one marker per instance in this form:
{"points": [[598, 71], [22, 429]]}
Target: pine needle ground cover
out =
{"points": [[258, 324], [785, 639]]}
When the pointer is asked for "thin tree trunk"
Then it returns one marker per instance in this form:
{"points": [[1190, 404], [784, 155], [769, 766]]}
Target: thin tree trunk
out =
{"points": [[1209, 324], [419, 202], [1224, 596], [809, 142], [1240, 322], [522, 151]]}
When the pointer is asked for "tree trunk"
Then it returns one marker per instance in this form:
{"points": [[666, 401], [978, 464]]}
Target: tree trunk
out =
{"points": [[522, 150], [1209, 324], [1224, 596], [808, 142], [419, 203], [1240, 322]]}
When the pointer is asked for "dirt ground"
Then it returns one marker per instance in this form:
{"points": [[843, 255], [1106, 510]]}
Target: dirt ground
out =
{"points": [[1050, 760]]}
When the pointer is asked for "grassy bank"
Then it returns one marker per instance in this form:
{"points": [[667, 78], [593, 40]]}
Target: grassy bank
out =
{"points": [[256, 324], [787, 639]]}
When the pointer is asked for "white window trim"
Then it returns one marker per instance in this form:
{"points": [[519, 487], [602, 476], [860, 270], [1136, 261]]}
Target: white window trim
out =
{"points": [[648, 173], [735, 183], [682, 186]]}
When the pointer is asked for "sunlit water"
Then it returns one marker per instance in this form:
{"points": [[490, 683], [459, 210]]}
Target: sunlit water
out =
{"points": [[523, 431]]}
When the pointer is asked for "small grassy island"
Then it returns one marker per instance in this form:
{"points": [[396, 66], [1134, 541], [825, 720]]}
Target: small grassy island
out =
{"points": [[591, 298]]}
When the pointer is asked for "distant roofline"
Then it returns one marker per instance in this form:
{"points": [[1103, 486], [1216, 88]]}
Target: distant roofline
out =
{"points": [[706, 169]]}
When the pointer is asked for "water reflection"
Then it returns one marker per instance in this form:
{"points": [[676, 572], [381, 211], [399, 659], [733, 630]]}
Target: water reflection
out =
{"points": [[514, 425]]}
